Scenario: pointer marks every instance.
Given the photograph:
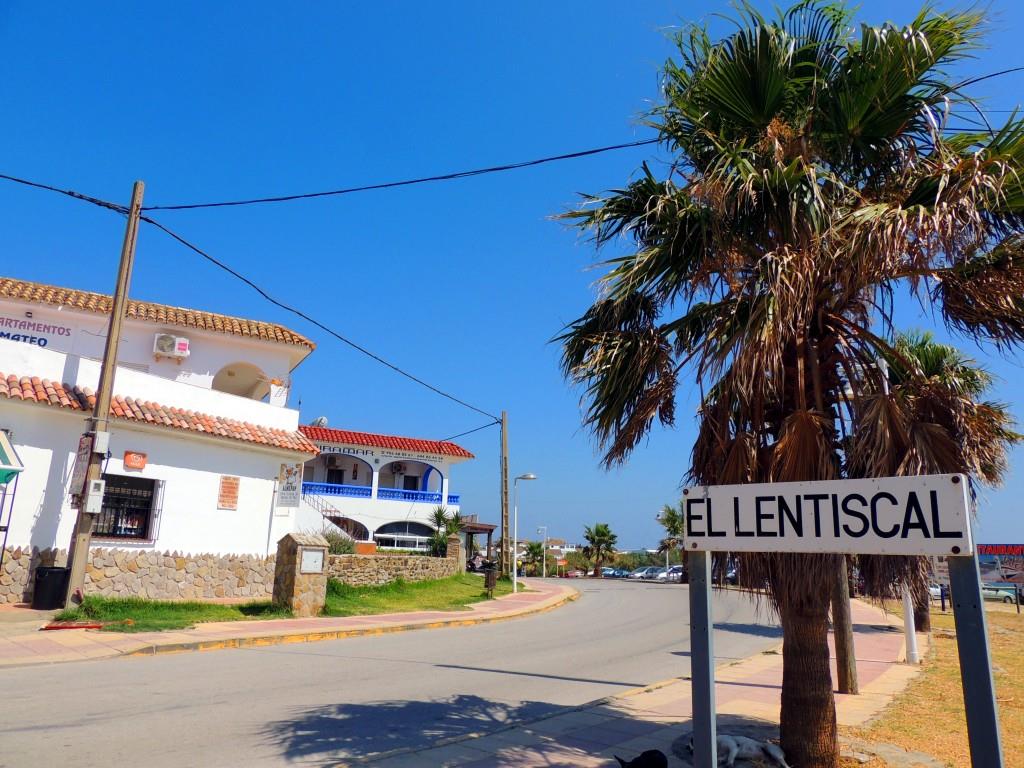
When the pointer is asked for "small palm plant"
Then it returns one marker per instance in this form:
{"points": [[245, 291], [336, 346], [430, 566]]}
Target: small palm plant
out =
{"points": [[600, 545], [445, 524], [535, 555], [671, 519]]}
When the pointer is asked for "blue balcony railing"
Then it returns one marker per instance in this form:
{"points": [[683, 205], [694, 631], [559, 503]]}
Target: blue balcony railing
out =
{"points": [[332, 489], [386, 494], [397, 494]]}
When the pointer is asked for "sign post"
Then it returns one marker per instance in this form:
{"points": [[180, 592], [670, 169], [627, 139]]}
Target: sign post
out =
{"points": [[918, 516], [702, 661]]}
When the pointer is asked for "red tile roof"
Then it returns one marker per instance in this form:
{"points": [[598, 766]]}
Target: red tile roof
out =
{"points": [[347, 437], [76, 398], [161, 314]]}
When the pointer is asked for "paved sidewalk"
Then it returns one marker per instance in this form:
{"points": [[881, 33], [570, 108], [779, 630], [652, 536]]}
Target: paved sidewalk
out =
{"points": [[747, 692], [31, 646]]}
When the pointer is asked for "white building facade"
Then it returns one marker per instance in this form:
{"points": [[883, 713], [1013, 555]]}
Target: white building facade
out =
{"points": [[204, 453], [378, 488]]}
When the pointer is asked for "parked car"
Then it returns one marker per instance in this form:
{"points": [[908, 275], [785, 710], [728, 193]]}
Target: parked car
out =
{"points": [[639, 573], [608, 572], [676, 574], [934, 591], [1002, 594], [655, 574]]}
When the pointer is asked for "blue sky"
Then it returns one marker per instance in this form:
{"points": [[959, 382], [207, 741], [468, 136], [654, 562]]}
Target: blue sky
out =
{"points": [[463, 283]]}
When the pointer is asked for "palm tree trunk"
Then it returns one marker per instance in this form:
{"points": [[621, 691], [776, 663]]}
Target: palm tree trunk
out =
{"points": [[922, 606], [808, 713]]}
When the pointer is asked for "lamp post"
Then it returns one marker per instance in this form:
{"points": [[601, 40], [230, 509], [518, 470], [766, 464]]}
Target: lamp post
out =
{"points": [[544, 552], [515, 527]]}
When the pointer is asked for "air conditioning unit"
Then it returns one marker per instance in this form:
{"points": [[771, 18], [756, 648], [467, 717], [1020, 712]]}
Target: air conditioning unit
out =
{"points": [[398, 468], [168, 345]]}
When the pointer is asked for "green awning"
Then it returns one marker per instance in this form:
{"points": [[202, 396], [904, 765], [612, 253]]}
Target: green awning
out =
{"points": [[10, 464]]}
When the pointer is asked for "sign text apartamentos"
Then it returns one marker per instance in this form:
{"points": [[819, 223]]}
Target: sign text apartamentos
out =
{"points": [[920, 515]]}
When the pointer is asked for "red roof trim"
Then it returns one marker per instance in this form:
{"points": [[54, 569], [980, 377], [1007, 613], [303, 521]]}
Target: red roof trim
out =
{"points": [[348, 437], [76, 398]]}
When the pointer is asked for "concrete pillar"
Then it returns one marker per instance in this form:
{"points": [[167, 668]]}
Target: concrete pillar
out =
{"points": [[300, 574], [375, 483], [444, 491]]}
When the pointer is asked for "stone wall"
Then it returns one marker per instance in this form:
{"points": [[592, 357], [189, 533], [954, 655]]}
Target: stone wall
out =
{"points": [[374, 570], [156, 575]]}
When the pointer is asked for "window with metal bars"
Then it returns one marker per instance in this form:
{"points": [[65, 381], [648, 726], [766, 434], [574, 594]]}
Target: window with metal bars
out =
{"points": [[127, 508]]}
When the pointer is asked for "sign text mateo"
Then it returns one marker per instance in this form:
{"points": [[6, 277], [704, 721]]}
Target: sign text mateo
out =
{"points": [[921, 515]]}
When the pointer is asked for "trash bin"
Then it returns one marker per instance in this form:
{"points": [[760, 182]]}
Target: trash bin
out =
{"points": [[490, 580], [50, 588]]}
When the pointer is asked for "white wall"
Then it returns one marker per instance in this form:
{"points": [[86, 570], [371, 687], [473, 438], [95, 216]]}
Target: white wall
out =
{"points": [[84, 333], [23, 359], [190, 467]]}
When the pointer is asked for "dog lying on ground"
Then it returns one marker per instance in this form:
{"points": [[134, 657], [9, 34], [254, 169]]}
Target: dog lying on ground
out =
{"points": [[733, 748], [652, 758]]}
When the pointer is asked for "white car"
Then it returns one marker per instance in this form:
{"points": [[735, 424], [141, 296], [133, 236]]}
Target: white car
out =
{"points": [[1002, 594]]}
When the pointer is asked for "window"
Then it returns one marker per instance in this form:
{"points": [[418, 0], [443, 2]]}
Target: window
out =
{"points": [[336, 476], [127, 511], [411, 483]]}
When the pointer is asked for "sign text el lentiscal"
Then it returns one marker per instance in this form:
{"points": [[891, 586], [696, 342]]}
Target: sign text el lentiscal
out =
{"points": [[920, 515]]}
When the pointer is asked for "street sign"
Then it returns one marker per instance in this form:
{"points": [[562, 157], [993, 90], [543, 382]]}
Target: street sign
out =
{"points": [[920, 515], [81, 465]]}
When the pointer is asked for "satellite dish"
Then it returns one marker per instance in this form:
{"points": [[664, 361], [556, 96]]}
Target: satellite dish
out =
{"points": [[320, 421]]}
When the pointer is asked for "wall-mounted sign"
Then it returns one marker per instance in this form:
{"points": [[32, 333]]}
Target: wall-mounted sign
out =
{"points": [[311, 560], [31, 332], [134, 460], [920, 515], [289, 485], [227, 494], [385, 453]]}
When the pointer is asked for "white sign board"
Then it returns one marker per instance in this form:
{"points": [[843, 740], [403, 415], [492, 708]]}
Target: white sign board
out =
{"points": [[920, 515], [289, 485], [311, 561]]}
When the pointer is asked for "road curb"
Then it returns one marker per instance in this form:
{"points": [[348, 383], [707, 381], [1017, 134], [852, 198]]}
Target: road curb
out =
{"points": [[260, 641]]}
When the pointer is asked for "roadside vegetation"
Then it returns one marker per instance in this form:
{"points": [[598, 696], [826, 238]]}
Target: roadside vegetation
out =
{"points": [[451, 594], [929, 716], [136, 614]]}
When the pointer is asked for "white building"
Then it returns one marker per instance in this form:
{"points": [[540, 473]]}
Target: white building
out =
{"points": [[378, 488], [201, 435]]}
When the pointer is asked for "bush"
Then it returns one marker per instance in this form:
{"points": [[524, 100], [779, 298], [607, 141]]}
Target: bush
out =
{"points": [[337, 542]]}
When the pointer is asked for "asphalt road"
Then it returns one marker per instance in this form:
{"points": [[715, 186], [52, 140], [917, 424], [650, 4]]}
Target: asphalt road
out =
{"points": [[313, 704]]}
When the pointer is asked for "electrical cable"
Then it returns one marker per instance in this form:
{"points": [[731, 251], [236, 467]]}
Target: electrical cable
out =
{"points": [[470, 431], [404, 183], [298, 312], [69, 192]]}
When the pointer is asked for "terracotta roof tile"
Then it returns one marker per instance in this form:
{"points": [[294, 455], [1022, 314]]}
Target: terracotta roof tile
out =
{"points": [[162, 314], [347, 437], [76, 398]]}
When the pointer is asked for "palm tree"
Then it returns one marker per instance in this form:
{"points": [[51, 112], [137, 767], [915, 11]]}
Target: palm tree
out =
{"points": [[535, 555], [671, 519], [813, 171], [445, 524], [600, 545], [936, 392]]}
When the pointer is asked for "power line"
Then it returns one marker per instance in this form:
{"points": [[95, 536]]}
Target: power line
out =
{"points": [[404, 183], [470, 431], [69, 192], [298, 312]]}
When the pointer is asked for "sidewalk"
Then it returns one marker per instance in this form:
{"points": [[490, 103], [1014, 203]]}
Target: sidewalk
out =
{"points": [[654, 717], [27, 645]]}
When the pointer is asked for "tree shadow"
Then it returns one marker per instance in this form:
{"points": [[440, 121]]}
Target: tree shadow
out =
{"points": [[323, 735], [759, 630], [731, 725]]}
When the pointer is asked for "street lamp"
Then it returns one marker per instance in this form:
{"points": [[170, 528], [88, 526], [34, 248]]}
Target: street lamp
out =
{"points": [[544, 552], [515, 527]]}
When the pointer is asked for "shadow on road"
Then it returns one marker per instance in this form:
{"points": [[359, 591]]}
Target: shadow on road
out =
{"points": [[339, 731], [759, 630], [540, 675]]}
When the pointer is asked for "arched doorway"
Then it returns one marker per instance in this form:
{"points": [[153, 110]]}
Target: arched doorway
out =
{"points": [[351, 528], [404, 534], [242, 379]]}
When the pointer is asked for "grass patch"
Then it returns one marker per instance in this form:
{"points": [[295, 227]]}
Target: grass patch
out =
{"points": [[929, 715], [136, 614], [451, 594]]}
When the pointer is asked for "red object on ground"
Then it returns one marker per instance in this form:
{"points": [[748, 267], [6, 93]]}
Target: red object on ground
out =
{"points": [[72, 625]]}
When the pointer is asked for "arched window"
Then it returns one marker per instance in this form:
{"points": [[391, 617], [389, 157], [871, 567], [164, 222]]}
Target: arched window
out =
{"points": [[404, 535], [242, 379]]}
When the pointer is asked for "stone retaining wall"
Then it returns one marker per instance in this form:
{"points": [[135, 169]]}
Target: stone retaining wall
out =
{"points": [[374, 570], [134, 573]]}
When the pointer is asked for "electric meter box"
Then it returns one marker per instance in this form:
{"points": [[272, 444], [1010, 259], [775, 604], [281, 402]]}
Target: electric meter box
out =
{"points": [[94, 497]]}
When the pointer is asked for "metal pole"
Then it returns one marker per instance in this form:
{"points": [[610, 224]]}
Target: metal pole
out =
{"points": [[702, 662], [842, 630], [503, 554], [78, 553], [515, 536], [909, 628], [975, 663]]}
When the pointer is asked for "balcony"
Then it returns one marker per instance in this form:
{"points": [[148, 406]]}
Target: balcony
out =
{"points": [[330, 489], [384, 494]]}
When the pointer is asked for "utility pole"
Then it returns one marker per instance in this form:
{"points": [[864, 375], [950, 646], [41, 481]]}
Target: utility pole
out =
{"points": [[503, 558], [78, 555]]}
